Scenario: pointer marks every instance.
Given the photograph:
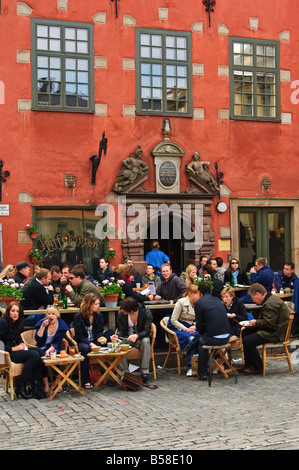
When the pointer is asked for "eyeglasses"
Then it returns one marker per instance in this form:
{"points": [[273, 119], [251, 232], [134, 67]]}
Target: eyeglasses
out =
{"points": [[72, 277], [234, 262]]}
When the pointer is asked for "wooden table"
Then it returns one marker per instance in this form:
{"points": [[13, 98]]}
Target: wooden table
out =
{"points": [[109, 362], [64, 368], [111, 311]]}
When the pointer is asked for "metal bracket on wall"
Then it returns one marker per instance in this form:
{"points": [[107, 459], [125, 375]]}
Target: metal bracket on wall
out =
{"points": [[116, 11], [209, 4]]}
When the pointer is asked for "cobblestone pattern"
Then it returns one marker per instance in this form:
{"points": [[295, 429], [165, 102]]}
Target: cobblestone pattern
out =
{"points": [[255, 413]]}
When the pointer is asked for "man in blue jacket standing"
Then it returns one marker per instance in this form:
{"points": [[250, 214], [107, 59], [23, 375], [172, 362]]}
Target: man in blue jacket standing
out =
{"points": [[262, 273]]}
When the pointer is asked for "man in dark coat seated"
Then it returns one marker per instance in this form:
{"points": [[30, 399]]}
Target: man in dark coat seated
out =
{"points": [[212, 326], [37, 294], [134, 323]]}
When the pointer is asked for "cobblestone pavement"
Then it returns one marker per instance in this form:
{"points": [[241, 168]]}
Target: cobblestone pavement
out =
{"points": [[182, 413]]}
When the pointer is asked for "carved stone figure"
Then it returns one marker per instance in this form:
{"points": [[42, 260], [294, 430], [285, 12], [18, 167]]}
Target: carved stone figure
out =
{"points": [[132, 169], [200, 170]]}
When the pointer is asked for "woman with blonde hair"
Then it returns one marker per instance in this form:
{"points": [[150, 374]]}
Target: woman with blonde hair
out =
{"points": [[89, 331], [8, 272], [50, 332], [235, 308], [182, 320], [189, 275]]}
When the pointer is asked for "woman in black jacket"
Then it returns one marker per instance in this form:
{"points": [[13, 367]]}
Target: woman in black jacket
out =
{"points": [[10, 334], [235, 272], [89, 331]]}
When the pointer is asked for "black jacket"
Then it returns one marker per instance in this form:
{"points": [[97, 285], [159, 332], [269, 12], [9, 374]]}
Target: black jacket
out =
{"points": [[144, 323], [81, 323], [129, 292], [242, 278], [211, 316], [35, 296], [9, 334], [239, 309]]}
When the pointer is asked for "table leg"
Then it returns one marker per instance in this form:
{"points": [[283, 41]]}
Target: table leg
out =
{"points": [[65, 374], [109, 371]]}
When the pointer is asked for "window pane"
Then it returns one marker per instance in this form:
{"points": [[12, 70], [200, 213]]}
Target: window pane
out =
{"points": [[82, 89], [42, 31], [54, 45], [70, 46], [83, 77], [70, 64], [55, 75], [42, 44], [145, 39], [82, 47], [70, 76], [55, 62], [70, 88], [70, 33], [82, 35], [54, 32], [82, 64]]}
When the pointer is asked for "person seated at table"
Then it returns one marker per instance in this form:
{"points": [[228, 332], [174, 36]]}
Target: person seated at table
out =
{"points": [[220, 270], [127, 274], [137, 278], [56, 276], [150, 276], [189, 275], [202, 261], [11, 325], [182, 319], [217, 284], [235, 308], [8, 272], [80, 286], [212, 326], [172, 287], [105, 272], [270, 327], [23, 272], [261, 273], [49, 335], [134, 327], [285, 278], [89, 331], [37, 294], [235, 274]]}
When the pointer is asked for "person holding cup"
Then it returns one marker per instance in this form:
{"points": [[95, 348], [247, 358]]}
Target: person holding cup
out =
{"points": [[49, 335]]}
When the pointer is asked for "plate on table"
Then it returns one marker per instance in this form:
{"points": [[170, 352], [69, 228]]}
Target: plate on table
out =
{"points": [[245, 323]]}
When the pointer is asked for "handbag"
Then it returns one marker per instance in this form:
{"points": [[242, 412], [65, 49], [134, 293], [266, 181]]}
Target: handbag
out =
{"points": [[131, 382], [95, 374]]}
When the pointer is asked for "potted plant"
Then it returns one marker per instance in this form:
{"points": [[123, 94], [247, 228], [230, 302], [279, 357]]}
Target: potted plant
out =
{"points": [[36, 254], [32, 230], [10, 290], [207, 278], [110, 253], [111, 291]]}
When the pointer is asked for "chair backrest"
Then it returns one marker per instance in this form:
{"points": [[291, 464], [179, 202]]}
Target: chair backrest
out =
{"points": [[288, 332], [173, 339], [28, 337]]}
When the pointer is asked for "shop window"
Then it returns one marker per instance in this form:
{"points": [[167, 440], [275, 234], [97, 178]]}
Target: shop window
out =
{"points": [[62, 66], [69, 235], [254, 79], [163, 72]]}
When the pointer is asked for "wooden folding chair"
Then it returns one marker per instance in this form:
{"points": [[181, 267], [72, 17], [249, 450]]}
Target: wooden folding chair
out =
{"points": [[284, 355], [9, 370], [174, 345]]}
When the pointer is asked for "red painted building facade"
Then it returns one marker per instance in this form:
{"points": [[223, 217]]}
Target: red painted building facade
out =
{"points": [[155, 77]]}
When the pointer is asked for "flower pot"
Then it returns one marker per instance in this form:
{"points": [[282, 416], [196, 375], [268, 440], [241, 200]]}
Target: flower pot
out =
{"points": [[111, 300], [8, 300], [33, 235]]}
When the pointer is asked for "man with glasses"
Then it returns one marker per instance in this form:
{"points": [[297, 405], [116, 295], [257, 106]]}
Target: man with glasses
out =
{"points": [[262, 274], [79, 286]]}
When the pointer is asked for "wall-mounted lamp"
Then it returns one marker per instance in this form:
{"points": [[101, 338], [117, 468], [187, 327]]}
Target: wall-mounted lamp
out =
{"points": [[209, 4]]}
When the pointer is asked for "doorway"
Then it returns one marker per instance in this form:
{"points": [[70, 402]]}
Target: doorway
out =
{"points": [[169, 242], [264, 232]]}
